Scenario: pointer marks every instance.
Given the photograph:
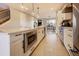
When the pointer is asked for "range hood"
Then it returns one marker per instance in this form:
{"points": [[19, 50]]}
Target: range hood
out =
{"points": [[4, 13]]}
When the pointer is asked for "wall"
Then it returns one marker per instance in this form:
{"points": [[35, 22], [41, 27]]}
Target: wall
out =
{"points": [[18, 19], [14, 19], [26, 21]]}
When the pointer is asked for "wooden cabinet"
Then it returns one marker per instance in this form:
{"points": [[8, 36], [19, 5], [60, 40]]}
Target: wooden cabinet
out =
{"points": [[16, 44], [68, 8]]}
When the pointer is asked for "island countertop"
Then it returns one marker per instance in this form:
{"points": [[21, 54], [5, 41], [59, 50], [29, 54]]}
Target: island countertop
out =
{"points": [[20, 29]]}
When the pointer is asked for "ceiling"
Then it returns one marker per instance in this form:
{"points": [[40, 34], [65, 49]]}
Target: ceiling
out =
{"points": [[46, 10]]}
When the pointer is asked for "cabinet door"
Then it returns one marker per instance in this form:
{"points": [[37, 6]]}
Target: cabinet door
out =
{"points": [[17, 48], [40, 34], [68, 38], [16, 44]]}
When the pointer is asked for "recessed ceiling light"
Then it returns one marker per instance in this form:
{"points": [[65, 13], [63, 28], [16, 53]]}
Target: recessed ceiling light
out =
{"points": [[26, 8], [22, 7], [51, 8]]}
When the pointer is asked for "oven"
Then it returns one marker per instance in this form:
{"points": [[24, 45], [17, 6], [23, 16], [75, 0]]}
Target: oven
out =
{"points": [[29, 39]]}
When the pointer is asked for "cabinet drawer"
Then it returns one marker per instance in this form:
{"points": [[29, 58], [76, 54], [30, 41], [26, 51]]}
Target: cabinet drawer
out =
{"points": [[68, 29], [16, 37], [68, 33], [68, 36]]}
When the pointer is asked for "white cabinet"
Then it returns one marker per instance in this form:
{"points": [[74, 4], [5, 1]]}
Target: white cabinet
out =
{"points": [[67, 16], [40, 34], [11, 42], [68, 38], [16, 44]]}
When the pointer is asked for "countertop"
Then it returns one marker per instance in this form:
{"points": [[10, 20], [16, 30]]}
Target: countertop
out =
{"points": [[20, 29]]}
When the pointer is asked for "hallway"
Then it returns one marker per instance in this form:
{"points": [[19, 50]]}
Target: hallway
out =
{"points": [[50, 46]]}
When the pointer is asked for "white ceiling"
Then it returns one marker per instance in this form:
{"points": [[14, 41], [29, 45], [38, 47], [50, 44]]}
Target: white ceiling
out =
{"points": [[48, 10], [45, 9]]}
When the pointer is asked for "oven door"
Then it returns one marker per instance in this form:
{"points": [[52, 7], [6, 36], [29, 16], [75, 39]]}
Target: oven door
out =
{"points": [[29, 39]]}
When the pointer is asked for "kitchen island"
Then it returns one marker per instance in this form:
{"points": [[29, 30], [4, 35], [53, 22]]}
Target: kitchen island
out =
{"points": [[12, 41]]}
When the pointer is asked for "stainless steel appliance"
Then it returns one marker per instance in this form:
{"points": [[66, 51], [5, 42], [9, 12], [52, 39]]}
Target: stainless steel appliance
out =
{"points": [[29, 39], [76, 26], [39, 22]]}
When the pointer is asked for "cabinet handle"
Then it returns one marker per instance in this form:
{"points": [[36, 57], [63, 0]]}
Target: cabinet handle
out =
{"points": [[18, 34], [70, 30], [70, 35]]}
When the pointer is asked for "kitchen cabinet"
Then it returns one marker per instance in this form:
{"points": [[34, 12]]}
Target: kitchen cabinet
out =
{"points": [[16, 44], [68, 8], [67, 16], [40, 34], [68, 38], [11, 41]]}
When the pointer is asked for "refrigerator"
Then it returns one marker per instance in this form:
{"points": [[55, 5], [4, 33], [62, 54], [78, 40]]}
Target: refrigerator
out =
{"points": [[76, 26]]}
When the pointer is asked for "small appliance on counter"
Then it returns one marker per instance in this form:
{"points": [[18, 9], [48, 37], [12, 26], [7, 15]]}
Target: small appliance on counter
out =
{"points": [[39, 22]]}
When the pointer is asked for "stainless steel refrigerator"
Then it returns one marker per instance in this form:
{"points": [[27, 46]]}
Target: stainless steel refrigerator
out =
{"points": [[76, 26]]}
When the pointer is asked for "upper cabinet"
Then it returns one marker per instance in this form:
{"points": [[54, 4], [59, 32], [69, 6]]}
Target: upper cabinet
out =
{"points": [[67, 12], [68, 8], [67, 15]]}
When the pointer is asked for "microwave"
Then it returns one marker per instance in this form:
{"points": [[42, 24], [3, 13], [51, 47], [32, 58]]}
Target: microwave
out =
{"points": [[4, 13], [30, 39]]}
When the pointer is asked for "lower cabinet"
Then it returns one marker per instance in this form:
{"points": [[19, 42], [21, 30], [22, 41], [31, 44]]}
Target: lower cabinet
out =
{"points": [[40, 34], [16, 45], [68, 38], [17, 48]]}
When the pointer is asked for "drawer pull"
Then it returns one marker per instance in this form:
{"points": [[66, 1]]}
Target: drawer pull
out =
{"points": [[70, 35], [18, 34], [70, 30], [69, 46]]}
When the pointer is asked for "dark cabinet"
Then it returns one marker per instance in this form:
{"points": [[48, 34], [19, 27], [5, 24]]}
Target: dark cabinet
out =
{"points": [[68, 8]]}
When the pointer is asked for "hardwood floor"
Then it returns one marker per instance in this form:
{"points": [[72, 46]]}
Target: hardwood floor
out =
{"points": [[50, 46]]}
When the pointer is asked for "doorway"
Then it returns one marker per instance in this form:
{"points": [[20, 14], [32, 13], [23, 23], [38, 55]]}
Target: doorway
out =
{"points": [[51, 25]]}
